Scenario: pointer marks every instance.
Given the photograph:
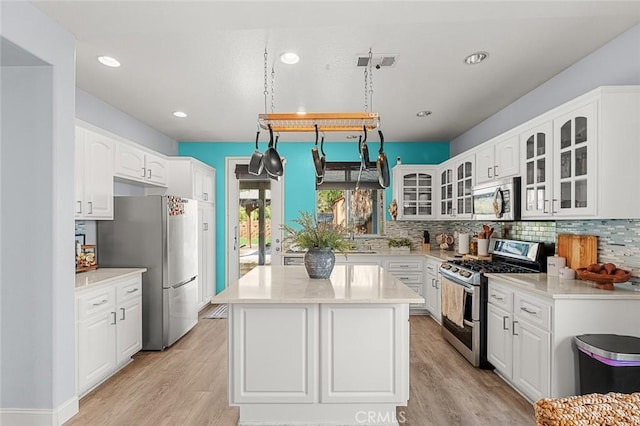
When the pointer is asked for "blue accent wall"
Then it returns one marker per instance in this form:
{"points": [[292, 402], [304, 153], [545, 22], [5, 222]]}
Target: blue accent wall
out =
{"points": [[299, 185]]}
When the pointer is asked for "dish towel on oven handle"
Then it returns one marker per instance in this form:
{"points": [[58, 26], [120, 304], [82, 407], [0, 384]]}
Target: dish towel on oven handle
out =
{"points": [[453, 301]]}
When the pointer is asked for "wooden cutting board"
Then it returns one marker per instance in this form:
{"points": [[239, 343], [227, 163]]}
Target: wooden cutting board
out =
{"points": [[579, 250]]}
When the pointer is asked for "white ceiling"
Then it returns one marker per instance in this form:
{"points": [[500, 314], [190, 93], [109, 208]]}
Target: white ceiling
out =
{"points": [[206, 58]]}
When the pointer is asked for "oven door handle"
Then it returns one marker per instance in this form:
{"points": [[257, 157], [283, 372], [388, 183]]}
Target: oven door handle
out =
{"points": [[468, 323]]}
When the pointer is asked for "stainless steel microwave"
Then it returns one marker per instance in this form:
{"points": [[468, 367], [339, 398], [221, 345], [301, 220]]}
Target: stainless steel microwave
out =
{"points": [[497, 200]]}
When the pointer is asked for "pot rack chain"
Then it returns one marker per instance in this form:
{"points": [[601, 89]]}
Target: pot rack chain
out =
{"points": [[327, 122], [368, 84], [266, 88]]}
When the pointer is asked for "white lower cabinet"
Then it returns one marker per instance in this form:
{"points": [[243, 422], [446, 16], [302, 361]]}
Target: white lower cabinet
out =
{"points": [[409, 270], [518, 340], [433, 291], [109, 329]]}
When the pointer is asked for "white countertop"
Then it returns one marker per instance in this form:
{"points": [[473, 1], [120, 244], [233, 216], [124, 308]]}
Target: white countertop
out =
{"points": [[291, 284], [555, 288], [104, 275]]}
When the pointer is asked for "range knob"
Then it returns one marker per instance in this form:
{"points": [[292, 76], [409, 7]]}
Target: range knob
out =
{"points": [[465, 274], [445, 266], [454, 269]]}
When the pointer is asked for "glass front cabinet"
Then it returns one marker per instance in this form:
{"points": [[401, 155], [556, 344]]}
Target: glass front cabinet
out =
{"points": [[574, 156], [537, 145], [414, 191], [455, 183]]}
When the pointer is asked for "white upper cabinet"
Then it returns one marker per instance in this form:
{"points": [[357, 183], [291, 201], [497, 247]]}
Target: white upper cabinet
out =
{"points": [[580, 160], [413, 190], [574, 169], [192, 179], [537, 164], [456, 179], [94, 175], [133, 163], [500, 158]]}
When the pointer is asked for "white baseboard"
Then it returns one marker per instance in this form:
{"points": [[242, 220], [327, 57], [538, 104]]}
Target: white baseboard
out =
{"points": [[39, 416]]}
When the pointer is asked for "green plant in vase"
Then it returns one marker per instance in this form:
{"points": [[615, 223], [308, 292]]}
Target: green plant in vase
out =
{"points": [[320, 239]]}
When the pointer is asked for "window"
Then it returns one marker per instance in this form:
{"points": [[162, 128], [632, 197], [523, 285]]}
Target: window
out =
{"points": [[359, 210]]}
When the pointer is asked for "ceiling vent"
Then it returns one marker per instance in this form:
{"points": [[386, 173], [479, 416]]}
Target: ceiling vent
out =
{"points": [[377, 61]]}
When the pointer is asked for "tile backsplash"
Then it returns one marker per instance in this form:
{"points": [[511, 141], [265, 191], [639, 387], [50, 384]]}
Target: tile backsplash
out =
{"points": [[618, 239]]}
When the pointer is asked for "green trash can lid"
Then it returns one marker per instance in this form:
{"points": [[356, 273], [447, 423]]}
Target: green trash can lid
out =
{"points": [[611, 346]]}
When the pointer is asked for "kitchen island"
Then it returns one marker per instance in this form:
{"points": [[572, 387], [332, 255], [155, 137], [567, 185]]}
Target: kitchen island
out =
{"points": [[305, 351]]}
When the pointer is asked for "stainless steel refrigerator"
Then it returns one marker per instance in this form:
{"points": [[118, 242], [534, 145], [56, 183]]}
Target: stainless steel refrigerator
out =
{"points": [[160, 233]]}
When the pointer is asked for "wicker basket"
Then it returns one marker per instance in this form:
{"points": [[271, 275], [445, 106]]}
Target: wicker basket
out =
{"points": [[592, 409], [583, 274]]}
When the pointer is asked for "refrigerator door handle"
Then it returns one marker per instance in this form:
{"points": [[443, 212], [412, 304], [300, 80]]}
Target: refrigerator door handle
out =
{"points": [[185, 282]]}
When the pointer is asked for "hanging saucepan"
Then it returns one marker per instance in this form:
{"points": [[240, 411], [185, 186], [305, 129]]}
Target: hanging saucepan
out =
{"points": [[255, 164], [323, 162], [365, 150], [382, 164], [272, 161], [316, 157]]}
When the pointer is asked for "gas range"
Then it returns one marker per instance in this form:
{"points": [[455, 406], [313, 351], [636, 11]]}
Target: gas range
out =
{"points": [[470, 271], [508, 257]]}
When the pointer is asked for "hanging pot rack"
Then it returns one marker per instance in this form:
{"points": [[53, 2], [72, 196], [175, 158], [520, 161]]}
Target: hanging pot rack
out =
{"points": [[326, 121]]}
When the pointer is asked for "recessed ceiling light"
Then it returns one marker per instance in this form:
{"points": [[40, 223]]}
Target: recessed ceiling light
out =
{"points": [[109, 61], [289, 58], [476, 58], [423, 113], [179, 114]]}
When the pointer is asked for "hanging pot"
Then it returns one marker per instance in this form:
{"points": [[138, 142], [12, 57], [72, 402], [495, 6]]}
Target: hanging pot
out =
{"points": [[272, 161], [316, 157], [323, 163], [255, 164], [364, 151], [382, 164]]}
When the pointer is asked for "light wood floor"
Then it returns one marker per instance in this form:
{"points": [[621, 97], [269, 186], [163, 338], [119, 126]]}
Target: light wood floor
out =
{"points": [[187, 385]]}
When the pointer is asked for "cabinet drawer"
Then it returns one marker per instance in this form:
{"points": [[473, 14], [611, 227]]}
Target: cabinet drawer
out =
{"points": [[501, 296], [532, 310], [404, 265], [130, 288], [96, 302], [409, 277]]}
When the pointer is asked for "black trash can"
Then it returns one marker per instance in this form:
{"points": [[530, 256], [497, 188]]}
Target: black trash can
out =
{"points": [[608, 363]]}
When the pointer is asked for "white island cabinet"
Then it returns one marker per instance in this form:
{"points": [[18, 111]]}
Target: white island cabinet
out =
{"points": [[305, 351]]}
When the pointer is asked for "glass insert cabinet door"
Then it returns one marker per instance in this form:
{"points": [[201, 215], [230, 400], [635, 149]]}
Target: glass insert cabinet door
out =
{"points": [[417, 195], [446, 192], [574, 168], [464, 186], [537, 144]]}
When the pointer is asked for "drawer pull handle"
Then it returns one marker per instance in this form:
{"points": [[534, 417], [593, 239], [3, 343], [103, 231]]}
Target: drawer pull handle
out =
{"points": [[528, 311], [404, 278], [114, 318], [403, 266], [132, 291], [514, 329], [101, 303], [504, 323], [493, 296], [123, 314]]}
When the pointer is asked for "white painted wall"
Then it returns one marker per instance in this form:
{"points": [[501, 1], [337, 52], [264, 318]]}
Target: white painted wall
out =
{"points": [[99, 113], [615, 63], [38, 365]]}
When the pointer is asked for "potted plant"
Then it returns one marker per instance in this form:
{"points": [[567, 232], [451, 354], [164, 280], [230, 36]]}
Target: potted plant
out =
{"points": [[320, 239], [402, 245]]}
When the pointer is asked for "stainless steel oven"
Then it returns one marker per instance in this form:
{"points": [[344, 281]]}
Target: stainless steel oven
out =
{"points": [[465, 339]]}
